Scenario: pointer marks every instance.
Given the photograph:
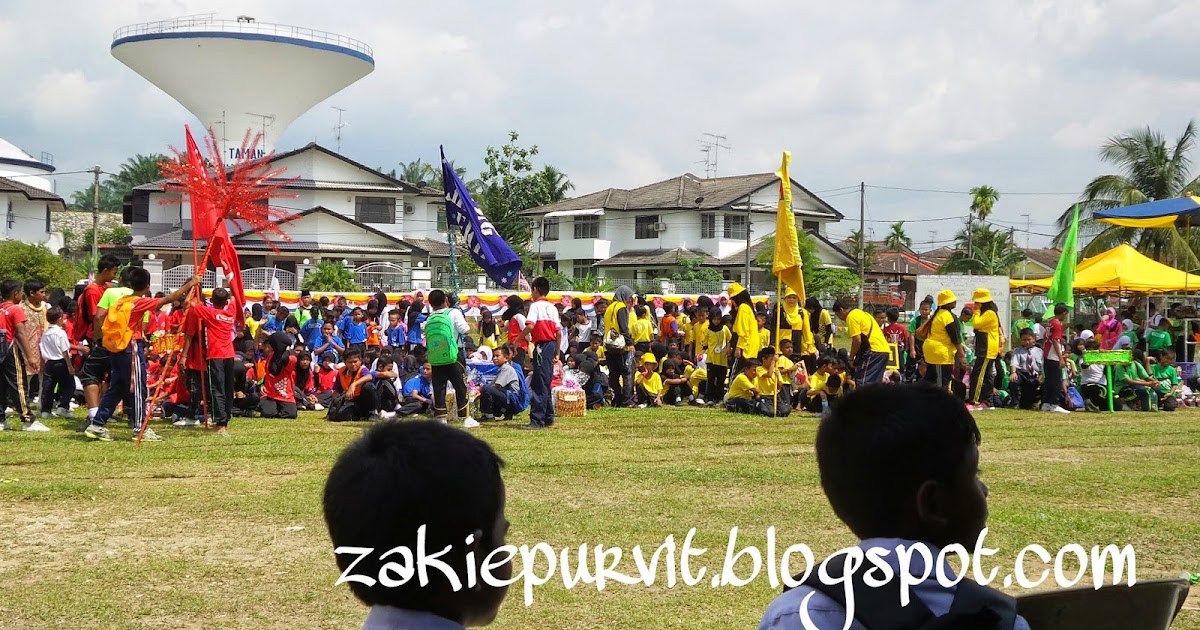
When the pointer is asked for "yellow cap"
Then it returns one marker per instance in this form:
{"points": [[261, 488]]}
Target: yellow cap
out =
{"points": [[735, 288], [946, 296], [789, 292], [982, 295], [649, 358]]}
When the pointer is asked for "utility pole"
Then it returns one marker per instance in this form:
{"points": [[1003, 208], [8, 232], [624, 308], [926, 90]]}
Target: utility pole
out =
{"points": [[95, 218], [862, 250], [970, 237], [1027, 228], [748, 207]]}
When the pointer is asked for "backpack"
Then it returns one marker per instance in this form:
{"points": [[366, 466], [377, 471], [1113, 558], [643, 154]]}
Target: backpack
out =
{"points": [[974, 606], [6, 336], [441, 343], [519, 401], [115, 331]]}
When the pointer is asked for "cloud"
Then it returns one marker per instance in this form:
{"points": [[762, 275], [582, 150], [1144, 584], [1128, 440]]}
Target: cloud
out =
{"points": [[533, 28]]}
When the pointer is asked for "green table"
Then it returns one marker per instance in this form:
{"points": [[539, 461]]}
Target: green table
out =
{"points": [[1108, 358]]}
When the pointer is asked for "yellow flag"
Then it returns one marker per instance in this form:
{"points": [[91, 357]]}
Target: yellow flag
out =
{"points": [[787, 264]]}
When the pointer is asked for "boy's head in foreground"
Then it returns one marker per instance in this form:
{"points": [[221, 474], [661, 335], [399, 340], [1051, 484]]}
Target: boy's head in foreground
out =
{"points": [[401, 475], [903, 462]]}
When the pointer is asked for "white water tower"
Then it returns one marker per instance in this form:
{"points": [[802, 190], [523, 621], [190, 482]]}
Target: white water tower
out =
{"points": [[239, 75]]}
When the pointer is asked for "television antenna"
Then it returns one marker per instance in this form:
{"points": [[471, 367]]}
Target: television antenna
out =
{"points": [[337, 130], [711, 145]]}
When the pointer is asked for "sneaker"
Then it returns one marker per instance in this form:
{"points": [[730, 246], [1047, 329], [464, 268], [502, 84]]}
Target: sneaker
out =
{"points": [[97, 432], [45, 415], [387, 415], [35, 427], [441, 419], [373, 417], [487, 417], [149, 436], [186, 422], [470, 423], [318, 407], [1091, 406], [63, 413], [1057, 409], [699, 401], [3, 425], [642, 406], [223, 432]]}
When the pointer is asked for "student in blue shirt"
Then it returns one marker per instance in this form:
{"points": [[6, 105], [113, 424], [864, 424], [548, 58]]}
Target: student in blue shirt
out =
{"points": [[900, 466], [356, 331], [377, 496], [327, 342], [276, 324], [310, 330], [396, 335], [418, 393]]}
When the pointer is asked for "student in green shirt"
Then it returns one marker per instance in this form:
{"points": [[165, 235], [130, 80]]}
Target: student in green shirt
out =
{"points": [[1134, 384], [1159, 338], [1168, 385], [1026, 321]]}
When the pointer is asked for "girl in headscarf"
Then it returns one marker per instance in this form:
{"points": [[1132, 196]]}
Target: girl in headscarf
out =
{"points": [[488, 337], [746, 342], [415, 317], [943, 341], [514, 318], [306, 384], [1109, 329], [279, 383], [793, 324], [820, 323], [617, 321], [716, 345]]}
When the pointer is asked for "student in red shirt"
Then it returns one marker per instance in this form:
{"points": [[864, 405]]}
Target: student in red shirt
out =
{"points": [[326, 377], [219, 320], [129, 364], [279, 382], [94, 370], [543, 327], [12, 373], [896, 333]]}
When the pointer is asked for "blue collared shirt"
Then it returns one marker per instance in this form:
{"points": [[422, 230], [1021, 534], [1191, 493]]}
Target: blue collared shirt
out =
{"points": [[388, 618], [826, 614], [418, 385]]}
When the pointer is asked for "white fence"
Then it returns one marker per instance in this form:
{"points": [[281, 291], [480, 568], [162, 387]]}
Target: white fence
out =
{"points": [[259, 278], [178, 276], [383, 276]]}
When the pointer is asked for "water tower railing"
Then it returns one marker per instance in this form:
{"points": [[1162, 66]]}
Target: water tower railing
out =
{"points": [[206, 23]]}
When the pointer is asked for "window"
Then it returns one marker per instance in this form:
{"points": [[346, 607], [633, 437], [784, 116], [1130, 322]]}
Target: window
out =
{"points": [[583, 267], [708, 226], [549, 265], [643, 226], [810, 226], [550, 230], [735, 226], [441, 221], [47, 217], [10, 216], [375, 209], [587, 227]]}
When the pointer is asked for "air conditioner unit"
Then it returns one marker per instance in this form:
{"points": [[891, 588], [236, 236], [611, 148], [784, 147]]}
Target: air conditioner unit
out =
{"points": [[660, 227], [409, 208], [422, 285]]}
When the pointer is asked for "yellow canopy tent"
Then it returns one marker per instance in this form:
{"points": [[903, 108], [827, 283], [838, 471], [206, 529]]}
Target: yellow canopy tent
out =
{"points": [[1121, 269]]}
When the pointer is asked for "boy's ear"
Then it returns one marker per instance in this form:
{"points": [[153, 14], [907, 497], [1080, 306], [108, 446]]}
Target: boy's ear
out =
{"points": [[475, 548], [931, 505]]}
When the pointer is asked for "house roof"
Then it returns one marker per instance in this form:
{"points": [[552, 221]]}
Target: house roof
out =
{"points": [[31, 193], [684, 192], [434, 247], [1046, 257], [246, 238], [937, 256], [655, 258], [365, 186], [900, 262], [849, 260]]}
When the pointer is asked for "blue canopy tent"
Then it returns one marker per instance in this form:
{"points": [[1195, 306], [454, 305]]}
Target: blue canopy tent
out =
{"points": [[1179, 211]]}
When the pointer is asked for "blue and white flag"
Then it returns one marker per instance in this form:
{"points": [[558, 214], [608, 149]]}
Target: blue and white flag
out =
{"points": [[487, 248]]}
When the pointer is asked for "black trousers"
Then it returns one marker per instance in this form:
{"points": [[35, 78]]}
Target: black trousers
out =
{"points": [[1027, 392], [1096, 393], [412, 406], [939, 375], [871, 367], [1052, 385], [715, 389], [271, 408], [676, 393], [493, 401], [620, 376], [983, 378], [58, 384], [452, 374], [220, 390], [12, 386], [389, 399]]}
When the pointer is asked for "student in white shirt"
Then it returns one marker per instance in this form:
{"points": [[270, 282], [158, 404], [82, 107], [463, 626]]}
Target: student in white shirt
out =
{"points": [[58, 373]]}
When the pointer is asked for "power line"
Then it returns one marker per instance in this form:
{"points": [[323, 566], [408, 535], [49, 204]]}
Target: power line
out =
{"points": [[965, 192]]}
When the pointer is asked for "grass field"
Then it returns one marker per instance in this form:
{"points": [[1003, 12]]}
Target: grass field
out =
{"points": [[193, 532]]}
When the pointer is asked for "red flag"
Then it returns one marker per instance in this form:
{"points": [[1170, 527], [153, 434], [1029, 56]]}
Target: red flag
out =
{"points": [[203, 213], [223, 255]]}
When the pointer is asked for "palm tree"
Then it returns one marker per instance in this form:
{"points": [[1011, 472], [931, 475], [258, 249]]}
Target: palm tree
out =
{"points": [[1150, 169], [991, 252], [983, 198], [868, 249], [417, 171], [898, 240], [557, 184]]}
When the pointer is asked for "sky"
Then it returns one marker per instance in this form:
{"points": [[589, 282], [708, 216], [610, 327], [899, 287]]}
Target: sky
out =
{"points": [[930, 94]]}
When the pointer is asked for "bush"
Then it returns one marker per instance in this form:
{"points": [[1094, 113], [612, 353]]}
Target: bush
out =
{"points": [[329, 275], [22, 261]]}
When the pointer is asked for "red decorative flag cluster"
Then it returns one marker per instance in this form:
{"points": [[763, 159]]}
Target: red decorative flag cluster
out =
{"points": [[242, 191]]}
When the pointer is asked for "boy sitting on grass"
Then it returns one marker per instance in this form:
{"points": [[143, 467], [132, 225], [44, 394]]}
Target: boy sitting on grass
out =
{"points": [[648, 382], [1169, 388], [900, 466], [402, 482], [824, 386], [743, 391]]}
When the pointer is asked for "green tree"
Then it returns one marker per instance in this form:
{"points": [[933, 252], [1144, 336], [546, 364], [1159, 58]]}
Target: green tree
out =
{"points": [[330, 275], [692, 269], [1149, 168], [831, 281], [418, 171], [868, 249], [510, 185], [592, 282], [556, 182], [35, 262], [115, 235], [136, 171], [983, 199], [898, 240], [992, 253], [109, 201]]}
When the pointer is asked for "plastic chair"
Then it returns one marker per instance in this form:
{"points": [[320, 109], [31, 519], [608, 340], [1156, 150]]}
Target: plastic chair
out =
{"points": [[1149, 605]]}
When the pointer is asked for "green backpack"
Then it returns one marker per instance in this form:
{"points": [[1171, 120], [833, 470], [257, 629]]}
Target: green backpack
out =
{"points": [[441, 344]]}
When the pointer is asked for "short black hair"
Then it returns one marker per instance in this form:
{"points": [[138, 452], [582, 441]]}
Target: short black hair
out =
{"points": [[1165, 352], [107, 261], [766, 352], [139, 279], [53, 315], [1027, 313], [352, 353], [893, 314], [842, 304], [1028, 331], [437, 298], [823, 361], [398, 477], [541, 284], [752, 363], [8, 288], [880, 443], [34, 285], [220, 297], [1061, 308], [385, 361]]}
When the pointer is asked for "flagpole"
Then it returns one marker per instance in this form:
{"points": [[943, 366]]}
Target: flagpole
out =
{"points": [[778, 318], [454, 281]]}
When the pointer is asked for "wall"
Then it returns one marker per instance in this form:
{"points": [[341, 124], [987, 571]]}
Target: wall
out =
{"points": [[28, 218]]}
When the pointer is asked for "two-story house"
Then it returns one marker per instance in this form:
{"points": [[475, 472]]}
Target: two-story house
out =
{"points": [[378, 225], [640, 234], [27, 198]]}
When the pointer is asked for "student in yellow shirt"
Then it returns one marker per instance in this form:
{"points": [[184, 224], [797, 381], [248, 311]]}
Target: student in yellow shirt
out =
{"points": [[595, 346], [642, 330], [773, 387], [746, 343], [825, 385], [943, 345], [869, 349], [699, 333], [988, 342], [648, 382], [717, 338], [743, 391]]}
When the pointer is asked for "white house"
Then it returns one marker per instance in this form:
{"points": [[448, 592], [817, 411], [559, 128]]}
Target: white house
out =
{"points": [[27, 197], [640, 234], [345, 211]]}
